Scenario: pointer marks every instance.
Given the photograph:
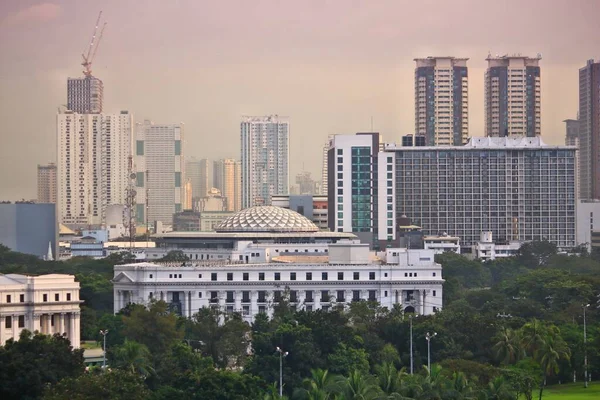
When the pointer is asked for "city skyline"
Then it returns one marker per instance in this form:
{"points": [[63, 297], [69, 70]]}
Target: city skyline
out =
{"points": [[329, 78]]}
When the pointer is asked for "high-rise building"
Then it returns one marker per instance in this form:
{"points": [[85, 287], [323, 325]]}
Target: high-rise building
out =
{"points": [[85, 95], [46, 183], [160, 170], [589, 131], [92, 169], [197, 171], [441, 100], [572, 139], [517, 188], [352, 186], [324, 179], [513, 96], [265, 154], [305, 183], [227, 178]]}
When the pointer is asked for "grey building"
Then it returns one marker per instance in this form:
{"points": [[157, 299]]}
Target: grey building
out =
{"points": [[29, 228], [85, 95], [517, 188], [589, 131]]}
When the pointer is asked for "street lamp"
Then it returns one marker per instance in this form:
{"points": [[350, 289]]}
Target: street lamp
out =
{"points": [[281, 355], [104, 332], [428, 337], [410, 318], [585, 364]]}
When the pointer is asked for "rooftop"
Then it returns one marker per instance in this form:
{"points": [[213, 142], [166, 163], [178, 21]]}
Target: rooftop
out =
{"points": [[267, 219]]}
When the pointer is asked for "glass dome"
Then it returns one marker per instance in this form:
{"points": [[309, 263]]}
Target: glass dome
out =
{"points": [[267, 219]]}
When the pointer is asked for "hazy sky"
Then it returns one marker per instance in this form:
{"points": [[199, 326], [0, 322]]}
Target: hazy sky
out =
{"points": [[329, 65]]}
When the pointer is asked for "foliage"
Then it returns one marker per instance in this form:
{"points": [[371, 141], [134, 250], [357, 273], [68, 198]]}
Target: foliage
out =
{"points": [[114, 385]]}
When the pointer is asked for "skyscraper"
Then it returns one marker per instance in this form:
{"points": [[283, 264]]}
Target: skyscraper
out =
{"points": [[513, 96], [441, 100], [589, 131], [92, 169], [46, 183], [227, 178], [160, 170], [85, 95], [198, 172], [572, 139], [324, 167], [265, 153]]}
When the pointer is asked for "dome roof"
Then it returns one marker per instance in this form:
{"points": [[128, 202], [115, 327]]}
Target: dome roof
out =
{"points": [[267, 219]]}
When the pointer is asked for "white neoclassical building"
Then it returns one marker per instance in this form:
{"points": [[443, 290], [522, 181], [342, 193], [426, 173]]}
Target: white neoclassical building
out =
{"points": [[48, 304], [262, 254]]}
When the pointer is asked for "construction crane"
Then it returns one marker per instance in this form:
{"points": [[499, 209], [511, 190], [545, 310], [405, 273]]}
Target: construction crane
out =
{"points": [[93, 47]]}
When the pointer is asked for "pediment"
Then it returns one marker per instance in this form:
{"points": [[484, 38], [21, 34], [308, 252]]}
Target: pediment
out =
{"points": [[122, 277]]}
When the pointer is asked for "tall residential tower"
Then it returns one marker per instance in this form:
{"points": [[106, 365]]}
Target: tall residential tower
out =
{"points": [[46, 183], [589, 131], [85, 95], [227, 178]]}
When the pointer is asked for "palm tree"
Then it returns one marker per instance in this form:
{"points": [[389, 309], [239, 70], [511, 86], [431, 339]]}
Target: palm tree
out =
{"points": [[532, 336], [508, 348], [458, 388], [550, 353], [273, 393], [133, 357], [498, 389], [360, 387], [390, 379], [320, 386]]}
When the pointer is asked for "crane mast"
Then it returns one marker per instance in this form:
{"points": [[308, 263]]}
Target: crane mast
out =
{"points": [[88, 58]]}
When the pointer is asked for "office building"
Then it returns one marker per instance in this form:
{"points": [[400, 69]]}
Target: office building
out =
{"points": [[262, 255], [589, 131], [85, 95], [324, 170], [197, 171], [160, 169], [352, 185], [572, 139], [413, 140], [265, 159], [313, 207], [517, 188], [29, 228], [513, 96], [442, 100], [48, 304], [46, 183], [227, 177], [588, 221], [93, 170]]}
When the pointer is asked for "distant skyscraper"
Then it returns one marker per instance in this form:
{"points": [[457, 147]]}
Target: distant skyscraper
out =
{"points": [[441, 100], [46, 183], [306, 185], [589, 131], [92, 169], [85, 95], [227, 178], [265, 153], [513, 96], [572, 139], [197, 171], [324, 167], [160, 170]]}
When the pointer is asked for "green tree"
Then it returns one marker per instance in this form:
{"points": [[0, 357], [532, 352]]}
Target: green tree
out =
{"points": [[359, 386], [114, 385], [221, 385], [507, 349], [499, 389], [347, 359], [133, 357], [321, 385], [536, 254], [175, 256]]}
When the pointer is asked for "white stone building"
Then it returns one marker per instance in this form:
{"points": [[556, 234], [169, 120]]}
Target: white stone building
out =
{"points": [[261, 254], [486, 249], [48, 304], [442, 243]]}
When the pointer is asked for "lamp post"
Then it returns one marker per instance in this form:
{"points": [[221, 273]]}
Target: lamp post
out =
{"points": [[104, 332], [428, 337], [410, 318], [281, 355], [585, 363]]}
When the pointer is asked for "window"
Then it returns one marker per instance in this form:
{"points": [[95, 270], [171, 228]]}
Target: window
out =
{"points": [[415, 274], [171, 276], [356, 295], [199, 276], [214, 297], [340, 276], [371, 276], [340, 152], [150, 276], [309, 296], [245, 297], [21, 298], [341, 297], [309, 276], [68, 296], [323, 276], [406, 274], [262, 296], [309, 308], [356, 276], [277, 296], [262, 309], [277, 276], [434, 274], [8, 322], [292, 276], [245, 311], [410, 274], [385, 293], [45, 298], [213, 276], [434, 293], [293, 296], [261, 276], [230, 276], [229, 297], [246, 276], [8, 298], [199, 295], [324, 296], [372, 295], [385, 274], [21, 321], [180, 276]]}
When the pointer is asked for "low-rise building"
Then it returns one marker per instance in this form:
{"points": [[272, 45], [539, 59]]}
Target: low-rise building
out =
{"points": [[486, 249], [442, 243], [48, 304], [588, 221]]}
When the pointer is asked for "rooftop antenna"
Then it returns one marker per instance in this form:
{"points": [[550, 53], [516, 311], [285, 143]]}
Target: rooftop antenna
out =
{"points": [[91, 52]]}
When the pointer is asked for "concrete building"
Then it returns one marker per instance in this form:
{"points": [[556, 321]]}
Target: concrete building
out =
{"points": [[513, 96], [85, 95], [213, 201], [589, 131], [312, 207], [93, 170], [572, 139], [46, 183], [442, 243], [263, 254], [517, 188], [227, 177], [442, 100], [413, 140], [324, 167], [198, 173], [486, 249], [46, 303], [160, 170], [29, 228], [265, 159], [588, 221], [307, 185]]}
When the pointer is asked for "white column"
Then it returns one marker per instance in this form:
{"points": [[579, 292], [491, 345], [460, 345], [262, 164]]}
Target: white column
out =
{"points": [[253, 303], [62, 324], [36, 323], [15, 323], [237, 297], [2, 329], [422, 292], [301, 297], [316, 299], [76, 329]]}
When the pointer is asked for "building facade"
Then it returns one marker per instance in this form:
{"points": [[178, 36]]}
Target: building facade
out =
{"points": [[486, 249], [48, 304], [46, 183], [513, 96], [227, 177], [517, 188], [197, 171], [265, 158], [85, 95], [292, 260], [29, 228], [442, 100], [588, 221], [160, 170], [312, 207], [589, 131]]}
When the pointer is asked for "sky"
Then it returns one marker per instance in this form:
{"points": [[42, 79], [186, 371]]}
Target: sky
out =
{"points": [[332, 66]]}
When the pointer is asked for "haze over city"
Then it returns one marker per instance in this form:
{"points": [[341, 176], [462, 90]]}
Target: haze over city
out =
{"points": [[330, 66]]}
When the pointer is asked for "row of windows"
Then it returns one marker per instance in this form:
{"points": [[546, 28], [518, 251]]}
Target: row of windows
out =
{"points": [[277, 276], [9, 297]]}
